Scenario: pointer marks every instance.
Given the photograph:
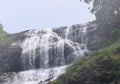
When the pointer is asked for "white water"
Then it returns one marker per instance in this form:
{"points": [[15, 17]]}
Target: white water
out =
{"points": [[42, 44], [41, 39], [37, 76], [67, 32]]}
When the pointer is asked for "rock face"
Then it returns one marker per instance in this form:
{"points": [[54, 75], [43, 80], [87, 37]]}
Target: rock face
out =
{"points": [[47, 48], [10, 58]]}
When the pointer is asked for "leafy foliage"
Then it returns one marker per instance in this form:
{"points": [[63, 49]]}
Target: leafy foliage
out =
{"points": [[107, 14], [2, 32], [102, 67]]}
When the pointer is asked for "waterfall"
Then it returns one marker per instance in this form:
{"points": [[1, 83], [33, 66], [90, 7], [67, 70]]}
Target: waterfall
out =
{"points": [[67, 31], [44, 49], [48, 52]]}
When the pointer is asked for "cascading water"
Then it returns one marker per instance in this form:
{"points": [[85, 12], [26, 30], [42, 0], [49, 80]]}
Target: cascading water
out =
{"points": [[36, 47], [46, 54], [41, 76], [44, 49], [67, 31]]}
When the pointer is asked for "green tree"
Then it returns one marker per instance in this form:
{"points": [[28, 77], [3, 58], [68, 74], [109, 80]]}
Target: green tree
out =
{"points": [[1, 28], [107, 13], [2, 32]]}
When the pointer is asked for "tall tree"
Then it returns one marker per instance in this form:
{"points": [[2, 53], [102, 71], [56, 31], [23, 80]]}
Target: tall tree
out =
{"points": [[2, 32], [1, 27], [107, 14]]}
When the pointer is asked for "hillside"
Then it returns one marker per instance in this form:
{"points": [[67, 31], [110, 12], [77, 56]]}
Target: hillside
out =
{"points": [[102, 67]]}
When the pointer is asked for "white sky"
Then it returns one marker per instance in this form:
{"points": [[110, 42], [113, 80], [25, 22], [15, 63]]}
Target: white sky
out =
{"points": [[19, 15]]}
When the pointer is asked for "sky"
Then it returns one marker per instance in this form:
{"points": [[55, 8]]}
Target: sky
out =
{"points": [[20, 15]]}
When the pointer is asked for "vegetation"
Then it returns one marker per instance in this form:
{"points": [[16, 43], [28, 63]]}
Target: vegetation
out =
{"points": [[2, 32], [107, 14], [8, 38], [102, 67], [5, 37]]}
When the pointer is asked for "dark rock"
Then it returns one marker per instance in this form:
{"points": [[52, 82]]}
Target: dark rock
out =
{"points": [[10, 58]]}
